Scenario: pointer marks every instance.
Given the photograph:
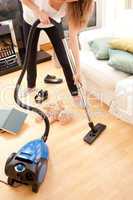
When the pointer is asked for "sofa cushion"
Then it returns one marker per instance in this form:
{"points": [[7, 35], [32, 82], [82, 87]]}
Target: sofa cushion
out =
{"points": [[125, 44], [121, 60], [100, 47]]}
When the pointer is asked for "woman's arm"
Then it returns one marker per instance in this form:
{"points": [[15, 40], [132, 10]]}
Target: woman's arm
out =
{"points": [[30, 4], [74, 45], [41, 14]]}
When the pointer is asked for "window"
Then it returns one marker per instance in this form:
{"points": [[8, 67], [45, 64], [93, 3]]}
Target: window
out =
{"points": [[129, 4]]}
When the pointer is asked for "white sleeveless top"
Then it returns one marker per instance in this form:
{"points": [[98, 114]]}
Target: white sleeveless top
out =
{"points": [[30, 17]]}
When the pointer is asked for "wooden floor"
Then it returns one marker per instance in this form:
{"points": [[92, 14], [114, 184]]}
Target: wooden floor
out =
{"points": [[102, 171]]}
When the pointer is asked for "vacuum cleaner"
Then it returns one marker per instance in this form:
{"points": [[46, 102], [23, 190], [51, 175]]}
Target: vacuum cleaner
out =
{"points": [[97, 129], [29, 164]]}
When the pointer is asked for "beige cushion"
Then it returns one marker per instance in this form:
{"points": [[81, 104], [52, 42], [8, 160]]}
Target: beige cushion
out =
{"points": [[125, 44]]}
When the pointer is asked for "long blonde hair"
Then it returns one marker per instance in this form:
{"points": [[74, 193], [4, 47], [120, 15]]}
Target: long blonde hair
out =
{"points": [[79, 12]]}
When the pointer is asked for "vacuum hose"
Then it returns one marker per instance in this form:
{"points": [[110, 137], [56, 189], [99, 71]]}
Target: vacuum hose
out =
{"points": [[24, 67]]}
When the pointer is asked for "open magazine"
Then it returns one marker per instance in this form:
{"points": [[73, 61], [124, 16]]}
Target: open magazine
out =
{"points": [[11, 120]]}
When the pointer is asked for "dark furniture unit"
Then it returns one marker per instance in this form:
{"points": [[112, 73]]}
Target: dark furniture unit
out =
{"points": [[8, 58], [12, 10]]}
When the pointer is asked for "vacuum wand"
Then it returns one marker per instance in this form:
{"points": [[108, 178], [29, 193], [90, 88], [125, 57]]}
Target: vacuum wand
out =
{"points": [[97, 129], [79, 85]]}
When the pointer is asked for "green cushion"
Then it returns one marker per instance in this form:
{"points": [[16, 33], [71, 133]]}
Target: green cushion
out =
{"points": [[100, 47], [121, 60]]}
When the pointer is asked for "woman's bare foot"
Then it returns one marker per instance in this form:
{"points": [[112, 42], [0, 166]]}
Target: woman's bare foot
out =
{"points": [[78, 101], [27, 92]]}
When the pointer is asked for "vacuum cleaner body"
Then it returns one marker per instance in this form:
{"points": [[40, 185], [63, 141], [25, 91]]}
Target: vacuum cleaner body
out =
{"points": [[29, 165]]}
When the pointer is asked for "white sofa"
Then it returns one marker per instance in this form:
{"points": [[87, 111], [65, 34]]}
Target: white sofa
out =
{"points": [[113, 87]]}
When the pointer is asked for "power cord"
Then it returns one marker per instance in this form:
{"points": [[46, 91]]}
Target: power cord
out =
{"points": [[1, 181], [5, 183]]}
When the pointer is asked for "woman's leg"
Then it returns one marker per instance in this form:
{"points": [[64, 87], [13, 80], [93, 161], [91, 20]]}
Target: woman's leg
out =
{"points": [[56, 40], [31, 68]]}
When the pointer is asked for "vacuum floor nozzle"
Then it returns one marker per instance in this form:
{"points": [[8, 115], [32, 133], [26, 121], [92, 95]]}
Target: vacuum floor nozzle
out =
{"points": [[92, 135]]}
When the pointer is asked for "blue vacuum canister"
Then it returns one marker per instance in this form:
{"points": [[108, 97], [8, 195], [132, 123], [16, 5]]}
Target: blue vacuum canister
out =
{"points": [[29, 165]]}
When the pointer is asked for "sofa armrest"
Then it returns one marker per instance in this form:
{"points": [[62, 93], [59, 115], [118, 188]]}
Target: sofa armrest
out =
{"points": [[122, 104], [127, 83]]}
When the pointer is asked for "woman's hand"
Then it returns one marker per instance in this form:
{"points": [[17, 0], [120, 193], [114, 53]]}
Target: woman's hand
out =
{"points": [[41, 14], [77, 78], [44, 18]]}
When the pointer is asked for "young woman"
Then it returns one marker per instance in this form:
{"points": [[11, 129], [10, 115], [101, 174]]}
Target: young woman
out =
{"points": [[77, 13]]}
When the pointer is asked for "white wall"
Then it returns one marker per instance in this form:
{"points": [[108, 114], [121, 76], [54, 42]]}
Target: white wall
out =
{"points": [[111, 9]]}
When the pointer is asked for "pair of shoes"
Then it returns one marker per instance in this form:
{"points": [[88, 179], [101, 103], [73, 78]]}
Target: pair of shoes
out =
{"points": [[41, 96], [52, 79]]}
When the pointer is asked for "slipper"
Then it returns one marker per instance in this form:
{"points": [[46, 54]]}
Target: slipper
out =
{"points": [[50, 76], [52, 79], [41, 96]]}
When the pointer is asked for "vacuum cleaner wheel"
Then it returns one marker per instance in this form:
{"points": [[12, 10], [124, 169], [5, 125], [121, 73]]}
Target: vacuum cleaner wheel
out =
{"points": [[91, 136], [10, 157], [10, 181], [35, 188]]}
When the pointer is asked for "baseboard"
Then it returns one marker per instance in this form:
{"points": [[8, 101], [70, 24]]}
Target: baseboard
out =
{"points": [[46, 46], [43, 56]]}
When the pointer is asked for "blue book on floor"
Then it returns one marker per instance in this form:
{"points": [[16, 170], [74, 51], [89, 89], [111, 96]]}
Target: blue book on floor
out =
{"points": [[11, 120]]}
